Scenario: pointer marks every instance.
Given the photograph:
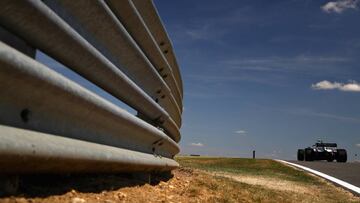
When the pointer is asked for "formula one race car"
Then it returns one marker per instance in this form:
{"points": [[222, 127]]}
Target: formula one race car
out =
{"points": [[322, 151]]}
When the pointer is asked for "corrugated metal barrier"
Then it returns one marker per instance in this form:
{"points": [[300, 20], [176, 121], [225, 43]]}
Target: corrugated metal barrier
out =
{"points": [[49, 123]]}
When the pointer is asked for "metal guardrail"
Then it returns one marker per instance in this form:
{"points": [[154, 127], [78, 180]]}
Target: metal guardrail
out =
{"points": [[48, 121], [150, 16], [54, 154], [128, 14]]}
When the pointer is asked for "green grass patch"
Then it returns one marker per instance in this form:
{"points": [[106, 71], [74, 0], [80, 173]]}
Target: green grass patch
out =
{"points": [[261, 167]]}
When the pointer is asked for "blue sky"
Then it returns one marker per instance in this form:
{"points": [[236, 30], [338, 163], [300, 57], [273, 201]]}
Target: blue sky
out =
{"points": [[272, 76]]}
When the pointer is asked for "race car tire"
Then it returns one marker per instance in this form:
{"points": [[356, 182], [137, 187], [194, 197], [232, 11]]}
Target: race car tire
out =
{"points": [[341, 155], [309, 154], [300, 155]]}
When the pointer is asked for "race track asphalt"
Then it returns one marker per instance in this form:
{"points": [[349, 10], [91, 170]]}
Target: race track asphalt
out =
{"points": [[348, 172]]}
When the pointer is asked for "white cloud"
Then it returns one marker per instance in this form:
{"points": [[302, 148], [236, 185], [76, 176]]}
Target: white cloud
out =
{"points": [[351, 86], [197, 34], [326, 85], [340, 5], [358, 145], [308, 112], [206, 31], [240, 132], [299, 63], [199, 144]]}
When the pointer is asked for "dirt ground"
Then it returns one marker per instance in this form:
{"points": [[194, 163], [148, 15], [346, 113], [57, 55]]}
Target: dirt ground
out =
{"points": [[186, 185], [107, 189]]}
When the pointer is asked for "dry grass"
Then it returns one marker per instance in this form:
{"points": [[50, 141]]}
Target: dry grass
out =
{"points": [[268, 183], [256, 167], [211, 188]]}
